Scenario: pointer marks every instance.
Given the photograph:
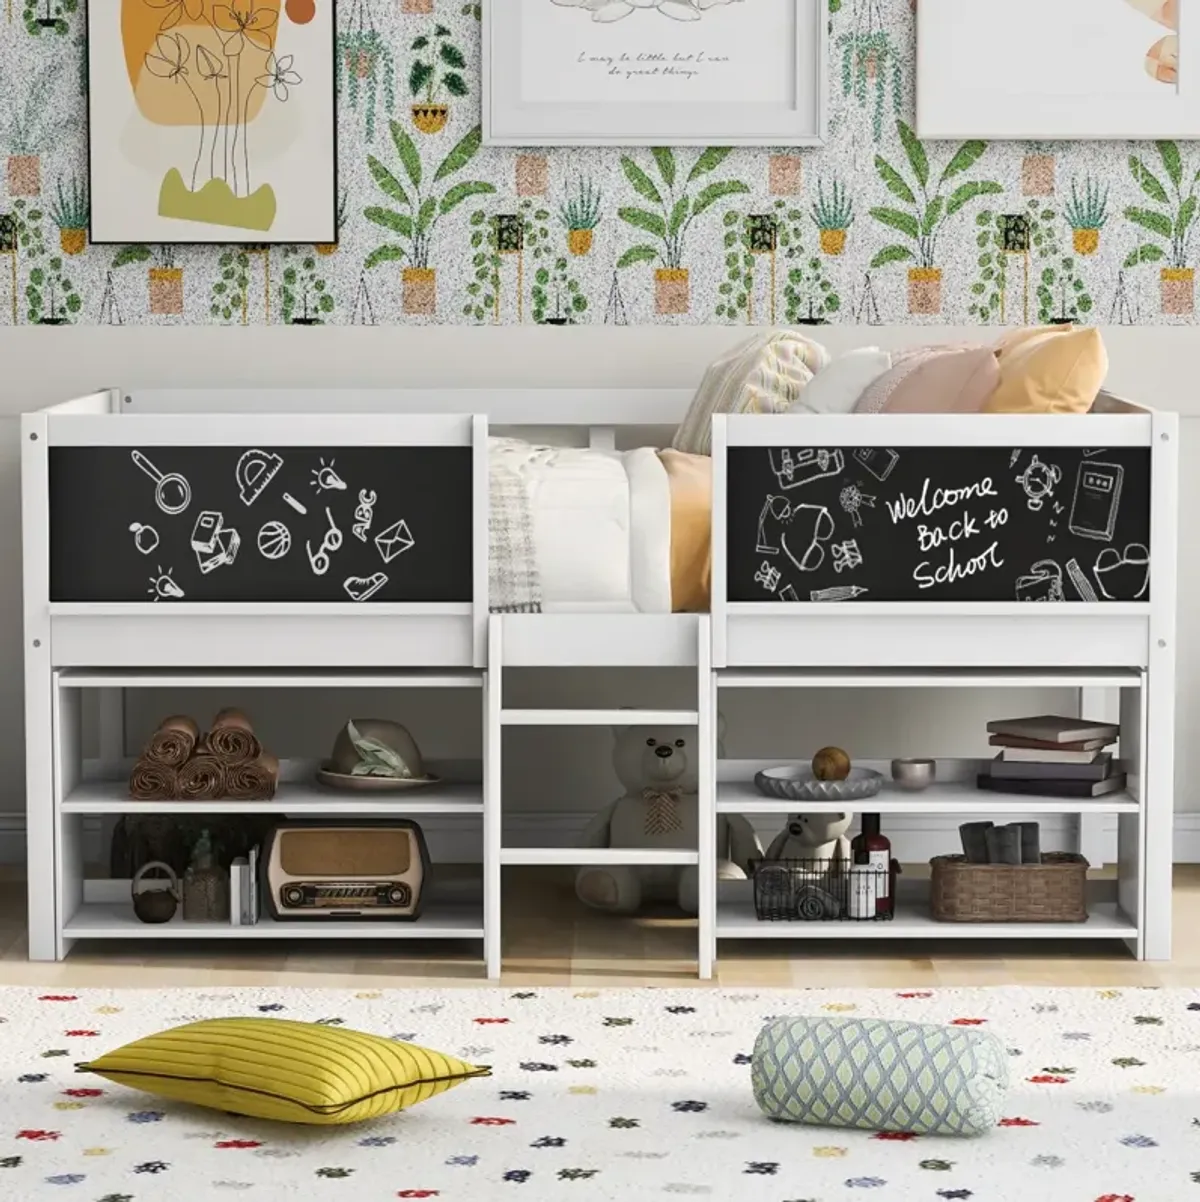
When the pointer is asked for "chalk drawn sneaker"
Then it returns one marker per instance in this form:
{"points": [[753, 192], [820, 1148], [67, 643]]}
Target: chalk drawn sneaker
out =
{"points": [[1123, 576]]}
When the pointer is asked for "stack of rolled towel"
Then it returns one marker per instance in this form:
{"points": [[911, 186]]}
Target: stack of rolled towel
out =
{"points": [[179, 763]]}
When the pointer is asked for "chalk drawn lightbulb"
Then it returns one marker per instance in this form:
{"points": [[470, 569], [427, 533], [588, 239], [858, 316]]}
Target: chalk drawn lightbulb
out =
{"points": [[163, 587], [325, 479]]}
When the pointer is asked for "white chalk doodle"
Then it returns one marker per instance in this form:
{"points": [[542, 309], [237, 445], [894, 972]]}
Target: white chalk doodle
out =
{"points": [[1097, 500], [768, 576], [145, 538], [255, 470], [331, 542], [1039, 481], [163, 587], [1123, 575], [846, 556], [172, 493], [364, 514], [274, 540], [841, 592], [287, 496], [853, 500], [797, 466], [1014, 458], [361, 588], [394, 541], [809, 527], [214, 543], [788, 594], [325, 479], [1043, 582], [1091, 454], [774, 511], [1083, 586], [879, 461]]}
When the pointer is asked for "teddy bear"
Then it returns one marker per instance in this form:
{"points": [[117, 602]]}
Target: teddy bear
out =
{"points": [[813, 837], [810, 883], [658, 766]]}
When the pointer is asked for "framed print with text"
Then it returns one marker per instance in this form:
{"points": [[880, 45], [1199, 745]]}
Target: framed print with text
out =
{"points": [[654, 72], [1058, 69]]}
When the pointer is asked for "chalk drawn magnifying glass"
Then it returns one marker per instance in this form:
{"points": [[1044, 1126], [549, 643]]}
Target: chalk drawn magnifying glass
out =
{"points": [[171, 491]]}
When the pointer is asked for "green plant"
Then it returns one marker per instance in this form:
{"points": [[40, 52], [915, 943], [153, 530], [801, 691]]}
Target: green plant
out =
{"points": [[809, 295], [833, 212], [870, 63], [737, 287], [473, 10], [50, 297], [1173, 227], [582, 211], [305, 298], [230, 294], [569, 299], [485, 264], [28, 124], [417, 223], [677, 207], [1089, 211], [363, 60], [929, 208], [41, 16], [70, 207], [437, 63], [136, 252]]}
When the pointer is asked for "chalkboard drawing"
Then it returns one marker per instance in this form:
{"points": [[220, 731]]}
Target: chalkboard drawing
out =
{"points": [[1083, 586], [274, 540], [1013, 458], [846, 555], [768, 576], [1039, 481], [788, 594], [774, 511], [394, 541], [172, 493], [1123, 576], [1044, 582], [795, 466], [363, 514], [853, 500], [287, 496], [332, 541], [255, 470], [145, 538], [163, 587], [1097, 500], [362, 588], [215, 544], [879, 461], [325, 479], [809, 526], [842, 592]]}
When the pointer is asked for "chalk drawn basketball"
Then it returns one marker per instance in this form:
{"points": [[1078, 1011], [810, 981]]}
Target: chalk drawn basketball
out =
{"points": [[274, 540]]}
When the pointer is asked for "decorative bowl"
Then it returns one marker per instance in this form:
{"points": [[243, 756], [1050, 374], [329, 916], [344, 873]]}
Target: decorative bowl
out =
{"points": [[914, 775], [795, 782]]}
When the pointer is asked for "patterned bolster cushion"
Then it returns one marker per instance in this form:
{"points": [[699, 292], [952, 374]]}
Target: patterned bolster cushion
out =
{"points": [[879, 1076]]}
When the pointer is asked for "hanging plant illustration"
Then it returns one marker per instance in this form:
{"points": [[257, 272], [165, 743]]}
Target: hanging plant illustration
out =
{"points": [[1172, 223], [414, 223], [928, 209], [676, 209], [364, 64], [870, 64], [165, 279], [437, 68]]}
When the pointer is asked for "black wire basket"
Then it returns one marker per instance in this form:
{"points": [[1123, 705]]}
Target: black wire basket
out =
{"points": [[821, 890]]}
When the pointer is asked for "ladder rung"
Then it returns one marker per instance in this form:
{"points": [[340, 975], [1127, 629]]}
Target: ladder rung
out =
{"points": [[581, 717], [595, 855]]}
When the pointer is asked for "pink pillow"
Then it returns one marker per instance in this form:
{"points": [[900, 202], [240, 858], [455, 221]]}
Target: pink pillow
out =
{"points": [[935, 380]]}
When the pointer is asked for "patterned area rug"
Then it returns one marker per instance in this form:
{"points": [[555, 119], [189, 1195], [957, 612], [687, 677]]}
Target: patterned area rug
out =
{"points": [[621, 1094]]}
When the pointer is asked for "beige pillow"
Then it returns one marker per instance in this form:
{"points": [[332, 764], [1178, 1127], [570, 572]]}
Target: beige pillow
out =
{"points": [[935, 380], [1049, 370], [763, 375]]}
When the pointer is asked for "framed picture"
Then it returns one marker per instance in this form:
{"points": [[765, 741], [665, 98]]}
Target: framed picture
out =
{"points": [[212, 121], [654, 72], [1058, 69]]}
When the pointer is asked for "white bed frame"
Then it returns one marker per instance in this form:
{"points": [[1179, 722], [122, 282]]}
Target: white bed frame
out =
{"points": [[1120, 657]]}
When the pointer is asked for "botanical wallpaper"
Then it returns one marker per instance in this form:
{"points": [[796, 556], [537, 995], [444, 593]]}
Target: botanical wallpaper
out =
{"points": [[434, 227]]}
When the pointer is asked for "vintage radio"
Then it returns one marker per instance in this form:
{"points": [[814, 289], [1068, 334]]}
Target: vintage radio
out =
{"points": [[355, 870]]}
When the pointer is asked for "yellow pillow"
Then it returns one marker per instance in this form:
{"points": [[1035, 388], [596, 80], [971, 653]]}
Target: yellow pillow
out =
{"points": [[270, 1068], [1049, 370]]}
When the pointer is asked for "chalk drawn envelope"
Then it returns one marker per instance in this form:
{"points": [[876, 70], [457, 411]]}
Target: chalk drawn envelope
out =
{"points": [[393, 541]]}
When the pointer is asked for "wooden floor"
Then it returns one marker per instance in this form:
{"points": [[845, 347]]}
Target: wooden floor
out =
{"points": [[552, 940]]}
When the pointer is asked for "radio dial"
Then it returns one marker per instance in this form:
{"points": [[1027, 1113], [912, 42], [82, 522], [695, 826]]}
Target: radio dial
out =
{"points": [[293, 895], [398, 895]]}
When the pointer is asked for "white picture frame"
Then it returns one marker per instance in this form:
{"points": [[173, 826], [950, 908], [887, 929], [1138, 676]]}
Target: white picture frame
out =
{"points": [[1060, 71], [733, 73]]}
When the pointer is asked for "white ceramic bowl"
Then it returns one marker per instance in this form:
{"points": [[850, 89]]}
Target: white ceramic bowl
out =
{"points": [[795, 782]]}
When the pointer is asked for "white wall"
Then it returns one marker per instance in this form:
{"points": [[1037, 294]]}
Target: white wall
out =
{"points": [[44, 365]]}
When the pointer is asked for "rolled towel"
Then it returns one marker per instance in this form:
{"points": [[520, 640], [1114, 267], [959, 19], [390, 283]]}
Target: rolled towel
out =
{"points": [[153, 782], [173, 741], [1004, 844], [255, 781], [202, 778], [974, 841], [231, 738]]}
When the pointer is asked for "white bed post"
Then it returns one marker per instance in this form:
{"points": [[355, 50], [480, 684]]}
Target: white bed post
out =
{"points": [[493, 695], [1092, 842], [706, 739], [719, 586]]}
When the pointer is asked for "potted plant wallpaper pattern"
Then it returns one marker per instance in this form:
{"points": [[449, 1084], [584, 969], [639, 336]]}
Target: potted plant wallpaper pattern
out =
{"points": [[432, 226]]}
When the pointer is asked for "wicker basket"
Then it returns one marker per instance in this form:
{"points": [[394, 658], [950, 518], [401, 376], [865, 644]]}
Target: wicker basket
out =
{"points": [[1053, 891]]}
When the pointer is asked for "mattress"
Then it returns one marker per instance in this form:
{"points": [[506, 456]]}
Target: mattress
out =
{"points": [[596, 524]]}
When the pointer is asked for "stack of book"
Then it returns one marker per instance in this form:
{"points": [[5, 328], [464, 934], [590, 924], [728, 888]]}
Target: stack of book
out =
{"points": [[1052, 756]]}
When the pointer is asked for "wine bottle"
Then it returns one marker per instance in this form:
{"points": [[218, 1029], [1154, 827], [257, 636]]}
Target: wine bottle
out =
{"points": [[876, 848]]}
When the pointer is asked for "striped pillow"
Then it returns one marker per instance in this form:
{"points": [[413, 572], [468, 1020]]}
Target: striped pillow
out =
{"points": [[271, 1068], [764, 375]]}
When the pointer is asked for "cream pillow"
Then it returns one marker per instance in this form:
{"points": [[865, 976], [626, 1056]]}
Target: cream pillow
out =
{"points": [[762, 375], [1050, 370], [836, 389], [934, 380]]}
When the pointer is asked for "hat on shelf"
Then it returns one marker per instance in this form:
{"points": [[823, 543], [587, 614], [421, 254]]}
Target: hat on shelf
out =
{"points": [[373, 754]]}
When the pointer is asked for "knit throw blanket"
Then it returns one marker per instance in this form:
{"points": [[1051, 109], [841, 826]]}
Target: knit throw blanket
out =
{"points": [[514, 585]]}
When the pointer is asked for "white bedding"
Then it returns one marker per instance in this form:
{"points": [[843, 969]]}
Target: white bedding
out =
{"points": [[601, 526]]}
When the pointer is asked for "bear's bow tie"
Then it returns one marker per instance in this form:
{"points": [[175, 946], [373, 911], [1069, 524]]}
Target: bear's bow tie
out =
{"points": [[662, 811]]}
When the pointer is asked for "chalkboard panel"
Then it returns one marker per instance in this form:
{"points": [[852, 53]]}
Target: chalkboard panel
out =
{"points": [[938, 524], [344, 524]]}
